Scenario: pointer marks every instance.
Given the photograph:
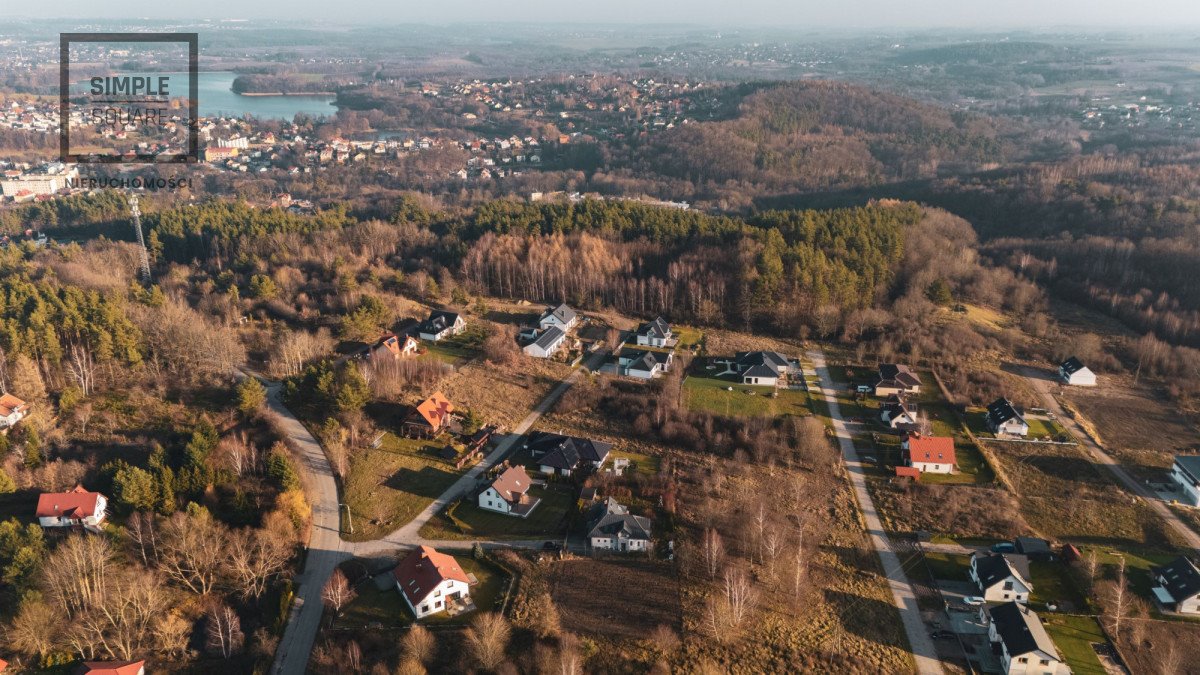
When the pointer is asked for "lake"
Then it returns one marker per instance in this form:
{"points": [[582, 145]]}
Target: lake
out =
{"points": [[218, 99]]}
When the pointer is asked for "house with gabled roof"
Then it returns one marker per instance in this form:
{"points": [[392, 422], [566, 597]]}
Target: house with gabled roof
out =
{"points": [[1005, 418], [546, 344], [1001, 576], [508, 493], [430, 417], [1073, 372], [897, 379], [12, 410], [562, 317], [656, 333], [431, 582], [113, 668], [1185, 472], [761, 368], [392, 346], [929, 454], [441, 324], [1023, 643], [1177, 586], [74, 508], [899, 412], [612, 528], [566, 455], [644, 364]]}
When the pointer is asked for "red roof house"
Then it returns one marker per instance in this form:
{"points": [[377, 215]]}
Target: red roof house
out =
{"points": [[431, 416], [73, 508], [431, 582], [113, 668], [934, 454]]}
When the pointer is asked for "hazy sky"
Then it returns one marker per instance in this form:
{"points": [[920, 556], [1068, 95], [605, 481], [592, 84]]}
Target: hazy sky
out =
{"points": [[800, 13]]}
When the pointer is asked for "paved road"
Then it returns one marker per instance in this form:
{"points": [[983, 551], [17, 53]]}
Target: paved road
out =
{"points": [[326, 549], [923, 650], [1046, 385]]}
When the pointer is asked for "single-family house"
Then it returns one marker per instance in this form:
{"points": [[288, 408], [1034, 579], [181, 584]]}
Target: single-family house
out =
{"points": [[1001, 576], [896, 379], [113, 668], [898, 412], [392, 346], [1034, 548], [929, 454], [441, 324], [546, 344], [1025, 647], [12, 410], [565, 455], [431, 582], [656, 333], [561, 317], [1185, 472], [761, 368], [1005, 418], [1177, 586], [430, 417], [73, 508], [509, 493], [1073, 372], [612, 528], [642, 363]]}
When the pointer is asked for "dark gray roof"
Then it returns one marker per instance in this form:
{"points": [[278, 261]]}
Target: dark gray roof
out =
{"points": [[898, 374], [746, 360], [566, 452], [1032, 545], [562, 313], [657, 328], [1071, 365], [1190, 465], [610, 519], [644, 360], [1021, 630], [760, 370], [992, 568], [438, 321], [1180, 577], [549, 337], [1002, 410]]}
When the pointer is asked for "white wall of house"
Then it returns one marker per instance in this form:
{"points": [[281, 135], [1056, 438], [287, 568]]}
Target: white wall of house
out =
{"points": [[651, 341], [1011, 588], [535, 350], [551, 470], [1013, 426], [491, 500], [435, 601], [10, 420], [1188, 491], [1084, 377], [761, 381], [619, 544], [552, 320], [927, 467]]}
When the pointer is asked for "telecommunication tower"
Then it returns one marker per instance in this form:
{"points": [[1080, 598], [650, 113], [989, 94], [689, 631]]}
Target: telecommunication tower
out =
{"points": [[141, 240]]}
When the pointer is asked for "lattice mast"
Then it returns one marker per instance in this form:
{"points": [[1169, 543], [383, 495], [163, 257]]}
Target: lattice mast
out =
{"points": [[141, 240]]}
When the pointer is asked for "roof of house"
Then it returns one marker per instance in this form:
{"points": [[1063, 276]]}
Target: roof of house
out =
{"points": [[549, 337], [562, 313], [896, 406], [1072, 365], [644, 360], [1179, 577], [10, 404], [936, 449], [438, 321], [1032, 545], [77, 504], [1021, 630], [610, 518], [771, 359], [992, 568], [434, 410], [112, 667], [423, 570], [760, 370], [566, 452], [898, 373], [1002, 410], [657, 328], [512, 484], [1190, 464]]}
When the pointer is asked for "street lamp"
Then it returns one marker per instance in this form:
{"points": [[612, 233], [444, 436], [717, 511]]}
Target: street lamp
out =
{"points": [[349, 518]]}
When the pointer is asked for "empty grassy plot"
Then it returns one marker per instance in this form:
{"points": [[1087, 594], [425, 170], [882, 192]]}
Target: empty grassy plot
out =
{"points": [[713, 395]]}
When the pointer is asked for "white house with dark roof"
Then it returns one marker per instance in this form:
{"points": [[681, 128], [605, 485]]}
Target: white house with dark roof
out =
{"points": [[897, 379], [547, 344], [641, 363], [565, 455], [1005, 418], [612, 528], [1024, 645], [561, 317], [1185, 472], [1177, 586], [1073, 372], [440, 325], [764, 369], [656, 333], [898, 412], [1001, 577]]}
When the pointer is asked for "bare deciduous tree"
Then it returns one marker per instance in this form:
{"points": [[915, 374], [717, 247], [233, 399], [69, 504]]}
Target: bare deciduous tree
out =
{"points": [[337, 592], [712, 551], [223, 631], [739, 595], [254, 558], [143, 534], [82, 367], [418, 644], [192, 551], [487, 638]]}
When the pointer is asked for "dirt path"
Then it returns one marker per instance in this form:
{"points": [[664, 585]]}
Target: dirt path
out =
{"points": [[1045, 385], [923, 650]]}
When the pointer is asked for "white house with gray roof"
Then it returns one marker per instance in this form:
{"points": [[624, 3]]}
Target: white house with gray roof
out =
{"points": [[656, 333], [1177, 586], [561, 317], [547, 343], [612, 528], [1024, 645], [1186, 474]]}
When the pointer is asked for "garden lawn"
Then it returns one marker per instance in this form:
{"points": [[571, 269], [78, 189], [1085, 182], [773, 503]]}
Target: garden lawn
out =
{"points": [[388, 486], [1074, 635], [710, 394]]}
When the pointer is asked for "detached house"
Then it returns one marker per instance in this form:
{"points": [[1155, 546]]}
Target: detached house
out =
{"points": [[509, 494], [431, 582], [1177, 586], [113, 668], [1073, 372], [74, 508], [929, 454], [441, 324], [546, 344], [565, 455], [430, 417], [392, 346], [898, 412], [1004, 418], [1024, 645], [612, 528], [897, 379], [1001, 577], [642, 363], [561, 317], [656, 333], [761, 368], [1185, 472], [12, 410]]}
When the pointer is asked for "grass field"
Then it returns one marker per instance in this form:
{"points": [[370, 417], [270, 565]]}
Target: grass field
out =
{"points": [[458, 349], [948, 566], [1139, 426], [1052, 584], [388, 486], [687, 336], [465, 520], [387, 608], [711, 394], [1074, 635]]}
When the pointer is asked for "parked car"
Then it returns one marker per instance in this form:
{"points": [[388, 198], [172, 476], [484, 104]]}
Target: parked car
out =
{"points": [[974, 600], [863, 389], [1004, 547], [552, 546]]}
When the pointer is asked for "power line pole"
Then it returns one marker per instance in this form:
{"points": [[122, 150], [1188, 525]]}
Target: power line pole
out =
{"points": [[141, 240]]}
